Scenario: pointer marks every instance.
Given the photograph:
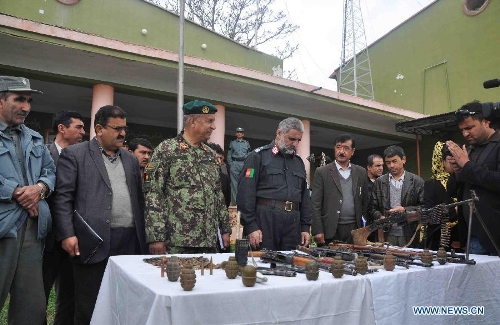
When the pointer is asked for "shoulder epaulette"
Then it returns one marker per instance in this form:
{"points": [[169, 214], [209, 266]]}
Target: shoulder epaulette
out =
{"points": [[267, 146]]}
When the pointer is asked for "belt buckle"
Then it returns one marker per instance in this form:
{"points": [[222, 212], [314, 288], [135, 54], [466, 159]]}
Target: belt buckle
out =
{"points": [[288, 206]]}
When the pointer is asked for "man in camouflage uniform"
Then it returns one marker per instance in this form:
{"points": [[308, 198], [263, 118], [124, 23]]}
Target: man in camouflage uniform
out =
{"points": [[236, 155], [273, 197], [185, 205]]}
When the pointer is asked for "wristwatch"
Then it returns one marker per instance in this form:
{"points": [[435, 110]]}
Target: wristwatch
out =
{"points": [[42, 190]]}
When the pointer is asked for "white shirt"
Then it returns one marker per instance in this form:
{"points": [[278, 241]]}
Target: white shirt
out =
{"points": [[58, 147], [344, 172]]}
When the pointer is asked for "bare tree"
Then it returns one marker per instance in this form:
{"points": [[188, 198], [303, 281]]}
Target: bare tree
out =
{"points": [[248, 22]]}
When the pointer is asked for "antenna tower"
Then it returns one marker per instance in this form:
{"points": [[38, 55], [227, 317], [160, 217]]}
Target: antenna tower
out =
{"points": [[355, 76]]}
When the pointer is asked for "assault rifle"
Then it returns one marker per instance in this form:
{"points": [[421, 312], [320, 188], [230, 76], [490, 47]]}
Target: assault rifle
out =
{"points": [[299, 261], [326, 255], [409, 255], [431, 216], [376, 257]]}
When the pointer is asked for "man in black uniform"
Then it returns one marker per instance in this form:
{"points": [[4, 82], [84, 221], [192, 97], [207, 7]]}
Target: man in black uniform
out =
{"points": [[273, 198]]}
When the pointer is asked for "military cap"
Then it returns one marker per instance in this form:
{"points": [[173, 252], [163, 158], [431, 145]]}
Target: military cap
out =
{"points": [[198, 107], [16, 84], [240, 129]]}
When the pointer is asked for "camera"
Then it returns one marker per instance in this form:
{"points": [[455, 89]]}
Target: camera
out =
{"points": [[491, 111]]}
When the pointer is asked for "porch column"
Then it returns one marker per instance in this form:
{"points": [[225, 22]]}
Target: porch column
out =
{"points": [[304, 148], [102, 95], [220, 126]]}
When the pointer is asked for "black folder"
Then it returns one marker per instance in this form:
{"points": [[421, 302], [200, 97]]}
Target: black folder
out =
{"points": [[88, 239]]}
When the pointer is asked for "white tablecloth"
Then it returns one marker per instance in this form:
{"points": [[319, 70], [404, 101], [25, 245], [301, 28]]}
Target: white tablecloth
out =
{"points": [[132, 292], [395, 293]]}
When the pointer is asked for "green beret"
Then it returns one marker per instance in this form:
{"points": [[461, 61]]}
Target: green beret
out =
{"points": [[198, 107]]}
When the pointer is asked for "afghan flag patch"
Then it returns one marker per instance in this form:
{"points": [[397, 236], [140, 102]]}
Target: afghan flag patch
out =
{"points": [[249, 173]]}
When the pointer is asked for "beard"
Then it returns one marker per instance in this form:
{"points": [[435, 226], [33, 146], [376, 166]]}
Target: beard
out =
{"points": [[284, 149]]}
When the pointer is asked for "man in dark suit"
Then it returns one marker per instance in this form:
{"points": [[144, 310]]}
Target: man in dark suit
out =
{"points": [[102, 182], [69, 129], [477, 168], [397, 191], [374, 169], [338, 195]]}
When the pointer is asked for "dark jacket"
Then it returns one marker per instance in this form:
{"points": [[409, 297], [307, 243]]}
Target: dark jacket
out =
{"points": [[327, 198], [484, 178], [412, 198], [83, 185], [276, 177]]}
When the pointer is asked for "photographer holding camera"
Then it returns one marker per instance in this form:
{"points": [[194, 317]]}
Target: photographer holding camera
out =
{"points": [[478, 168]]}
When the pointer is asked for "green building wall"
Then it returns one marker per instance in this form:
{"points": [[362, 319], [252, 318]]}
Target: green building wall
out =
{"points": [[443, 56], [435, 62], [124, 20]]}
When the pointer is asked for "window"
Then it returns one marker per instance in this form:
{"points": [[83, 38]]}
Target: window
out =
{"points": [[474, 7]]}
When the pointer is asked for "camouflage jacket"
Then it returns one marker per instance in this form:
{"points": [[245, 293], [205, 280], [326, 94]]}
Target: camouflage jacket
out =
{"points": [[185, 205]]}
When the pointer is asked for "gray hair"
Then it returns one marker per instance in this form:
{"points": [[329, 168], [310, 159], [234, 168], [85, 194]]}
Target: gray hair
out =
{"points": [[185, 118], [291, 123]]}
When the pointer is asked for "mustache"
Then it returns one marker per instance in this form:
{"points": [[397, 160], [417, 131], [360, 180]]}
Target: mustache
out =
{"points": [[22, 113], [120, 137]]}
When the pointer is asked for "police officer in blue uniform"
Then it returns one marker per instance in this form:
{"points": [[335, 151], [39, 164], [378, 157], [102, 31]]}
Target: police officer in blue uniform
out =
{"points": [[273, 197], [236, 155]]}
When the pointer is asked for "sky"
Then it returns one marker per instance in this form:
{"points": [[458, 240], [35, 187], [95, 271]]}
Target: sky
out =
{"points": [[320, 33]]}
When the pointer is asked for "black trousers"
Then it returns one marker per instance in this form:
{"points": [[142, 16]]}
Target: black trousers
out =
{"points": [[57, 269], [280, 228], [88, 277]]}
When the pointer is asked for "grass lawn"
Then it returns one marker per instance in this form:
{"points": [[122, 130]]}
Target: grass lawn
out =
{"points": [[51, 309]]}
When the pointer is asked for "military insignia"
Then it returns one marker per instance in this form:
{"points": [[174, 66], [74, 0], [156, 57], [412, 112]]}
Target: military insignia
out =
{"points": [[204, 146], [183, 146], [259, 149], [275, 150], [205, 109], [249, 173]]}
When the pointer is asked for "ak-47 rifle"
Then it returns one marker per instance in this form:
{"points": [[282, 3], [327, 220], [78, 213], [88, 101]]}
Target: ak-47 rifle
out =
{"points": [[403, 257], [376, 258], [432, 216], [326, 255], [298, 262], [410, 256]]}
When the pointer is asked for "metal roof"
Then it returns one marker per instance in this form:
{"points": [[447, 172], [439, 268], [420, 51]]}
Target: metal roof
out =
{"points": [[440, 126]]}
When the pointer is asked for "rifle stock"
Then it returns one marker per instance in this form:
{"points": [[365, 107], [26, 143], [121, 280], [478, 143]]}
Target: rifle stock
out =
{"points": [[360, 235]]}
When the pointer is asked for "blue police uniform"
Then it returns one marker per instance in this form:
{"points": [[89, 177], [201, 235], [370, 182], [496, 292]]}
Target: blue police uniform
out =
{"points": [[236, 155]]}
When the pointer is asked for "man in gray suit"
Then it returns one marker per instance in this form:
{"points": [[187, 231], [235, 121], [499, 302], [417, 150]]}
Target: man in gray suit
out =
{"points": [[338, 195], [69, 129], [102, 182]]}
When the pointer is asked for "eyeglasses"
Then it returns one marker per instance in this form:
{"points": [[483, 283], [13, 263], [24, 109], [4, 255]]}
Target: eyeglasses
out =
{"points": [[465, 112], [117, 128]]}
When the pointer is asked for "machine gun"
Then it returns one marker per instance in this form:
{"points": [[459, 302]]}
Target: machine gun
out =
{"points": [[374, 256], [431, 216]]}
